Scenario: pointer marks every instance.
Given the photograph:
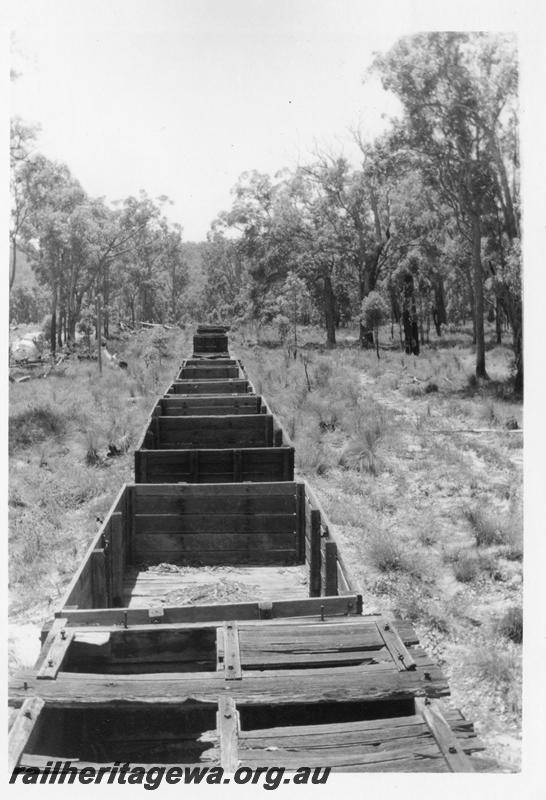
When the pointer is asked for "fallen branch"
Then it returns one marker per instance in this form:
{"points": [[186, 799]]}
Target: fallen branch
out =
{"points": [[159, 325], [52, 365]]}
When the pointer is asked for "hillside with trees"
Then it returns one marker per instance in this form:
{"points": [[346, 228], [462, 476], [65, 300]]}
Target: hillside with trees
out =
{"points": [[429, 219]]}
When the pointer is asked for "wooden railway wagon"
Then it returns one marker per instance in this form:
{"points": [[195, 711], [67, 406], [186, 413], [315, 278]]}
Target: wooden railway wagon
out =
{"points": [[318, 692], [203, 376], [218, 624], [210, 343], [213, 439], [211, 370], [268, 538], [204, 387]]}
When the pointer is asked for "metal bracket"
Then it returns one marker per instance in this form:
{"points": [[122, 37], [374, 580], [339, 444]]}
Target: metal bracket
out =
{"points": [[156, 614]]}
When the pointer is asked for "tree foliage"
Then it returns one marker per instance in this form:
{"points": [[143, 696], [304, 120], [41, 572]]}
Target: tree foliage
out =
{"points": [[427, 222]]}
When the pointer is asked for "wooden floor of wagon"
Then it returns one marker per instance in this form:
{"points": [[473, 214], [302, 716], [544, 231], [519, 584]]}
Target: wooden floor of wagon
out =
{"points": [[168, 584]]}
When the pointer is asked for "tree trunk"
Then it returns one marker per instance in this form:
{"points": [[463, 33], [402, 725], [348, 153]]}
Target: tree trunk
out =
{"points": [[99, 332], [53, 327], [409, 317], [498, 321], [60, 326], [478, 297], [366, 284], [106, 298], [329, 312], [513, 311], [13, 265], [439, 314], [518, 355]]}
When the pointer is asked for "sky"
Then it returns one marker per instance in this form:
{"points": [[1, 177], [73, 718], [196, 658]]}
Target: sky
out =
{"points": [[180, 97]]}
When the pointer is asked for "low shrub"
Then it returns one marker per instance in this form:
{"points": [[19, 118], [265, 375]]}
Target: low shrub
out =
{"points": [[387, 553], [489, 527], [510, 625], [33, 425], [465, 562]]}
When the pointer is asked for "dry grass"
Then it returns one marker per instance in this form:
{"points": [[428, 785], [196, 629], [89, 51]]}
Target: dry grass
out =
{"points": [[431, 521], [62, 481]]}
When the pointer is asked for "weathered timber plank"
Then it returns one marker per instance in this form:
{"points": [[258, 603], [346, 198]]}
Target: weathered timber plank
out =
{"points": [[450, 747], [350, 635], [211, 542], [228, 725], [22, 729], [425, 753], [218, 466], [171, 425], [330, 568], [207, 372], [342, 585], [314, 502], [309, 607], [366, 730], [253, 558], [232, 655], [56, 655], [237, 465], [396, 646], [217, 405], [205, 523], [99, 579], [56, 626], [196, 362], [169, 503], [208, 440], [221, 459], [117, 556], [300, 529], [315, 559], [351, 684], [234, 386], [278, 660], [350, 740], [284, 489]]}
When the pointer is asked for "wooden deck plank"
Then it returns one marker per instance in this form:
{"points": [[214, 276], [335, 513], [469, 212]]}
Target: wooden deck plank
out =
{"points": [[144, 587], [22, 729], [447, 741], [302, 610], [232, 655], [227, 726], [205, 523], [396, 647], [56, 655], [352, 684]]}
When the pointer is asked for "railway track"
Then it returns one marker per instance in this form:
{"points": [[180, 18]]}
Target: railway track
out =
{"points": [[214, 620]]}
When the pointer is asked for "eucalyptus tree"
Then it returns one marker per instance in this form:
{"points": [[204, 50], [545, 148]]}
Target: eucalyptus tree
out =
{"points": [[454, 88], [22, 167], [53, 195]]}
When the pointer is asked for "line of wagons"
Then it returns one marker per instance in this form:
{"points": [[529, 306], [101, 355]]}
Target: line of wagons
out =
{"points": [[214, 621]]}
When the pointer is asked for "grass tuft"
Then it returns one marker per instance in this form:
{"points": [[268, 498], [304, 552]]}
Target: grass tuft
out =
{"points": [[35, 424], [510, 625], [387, 553], [489, 527]]}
